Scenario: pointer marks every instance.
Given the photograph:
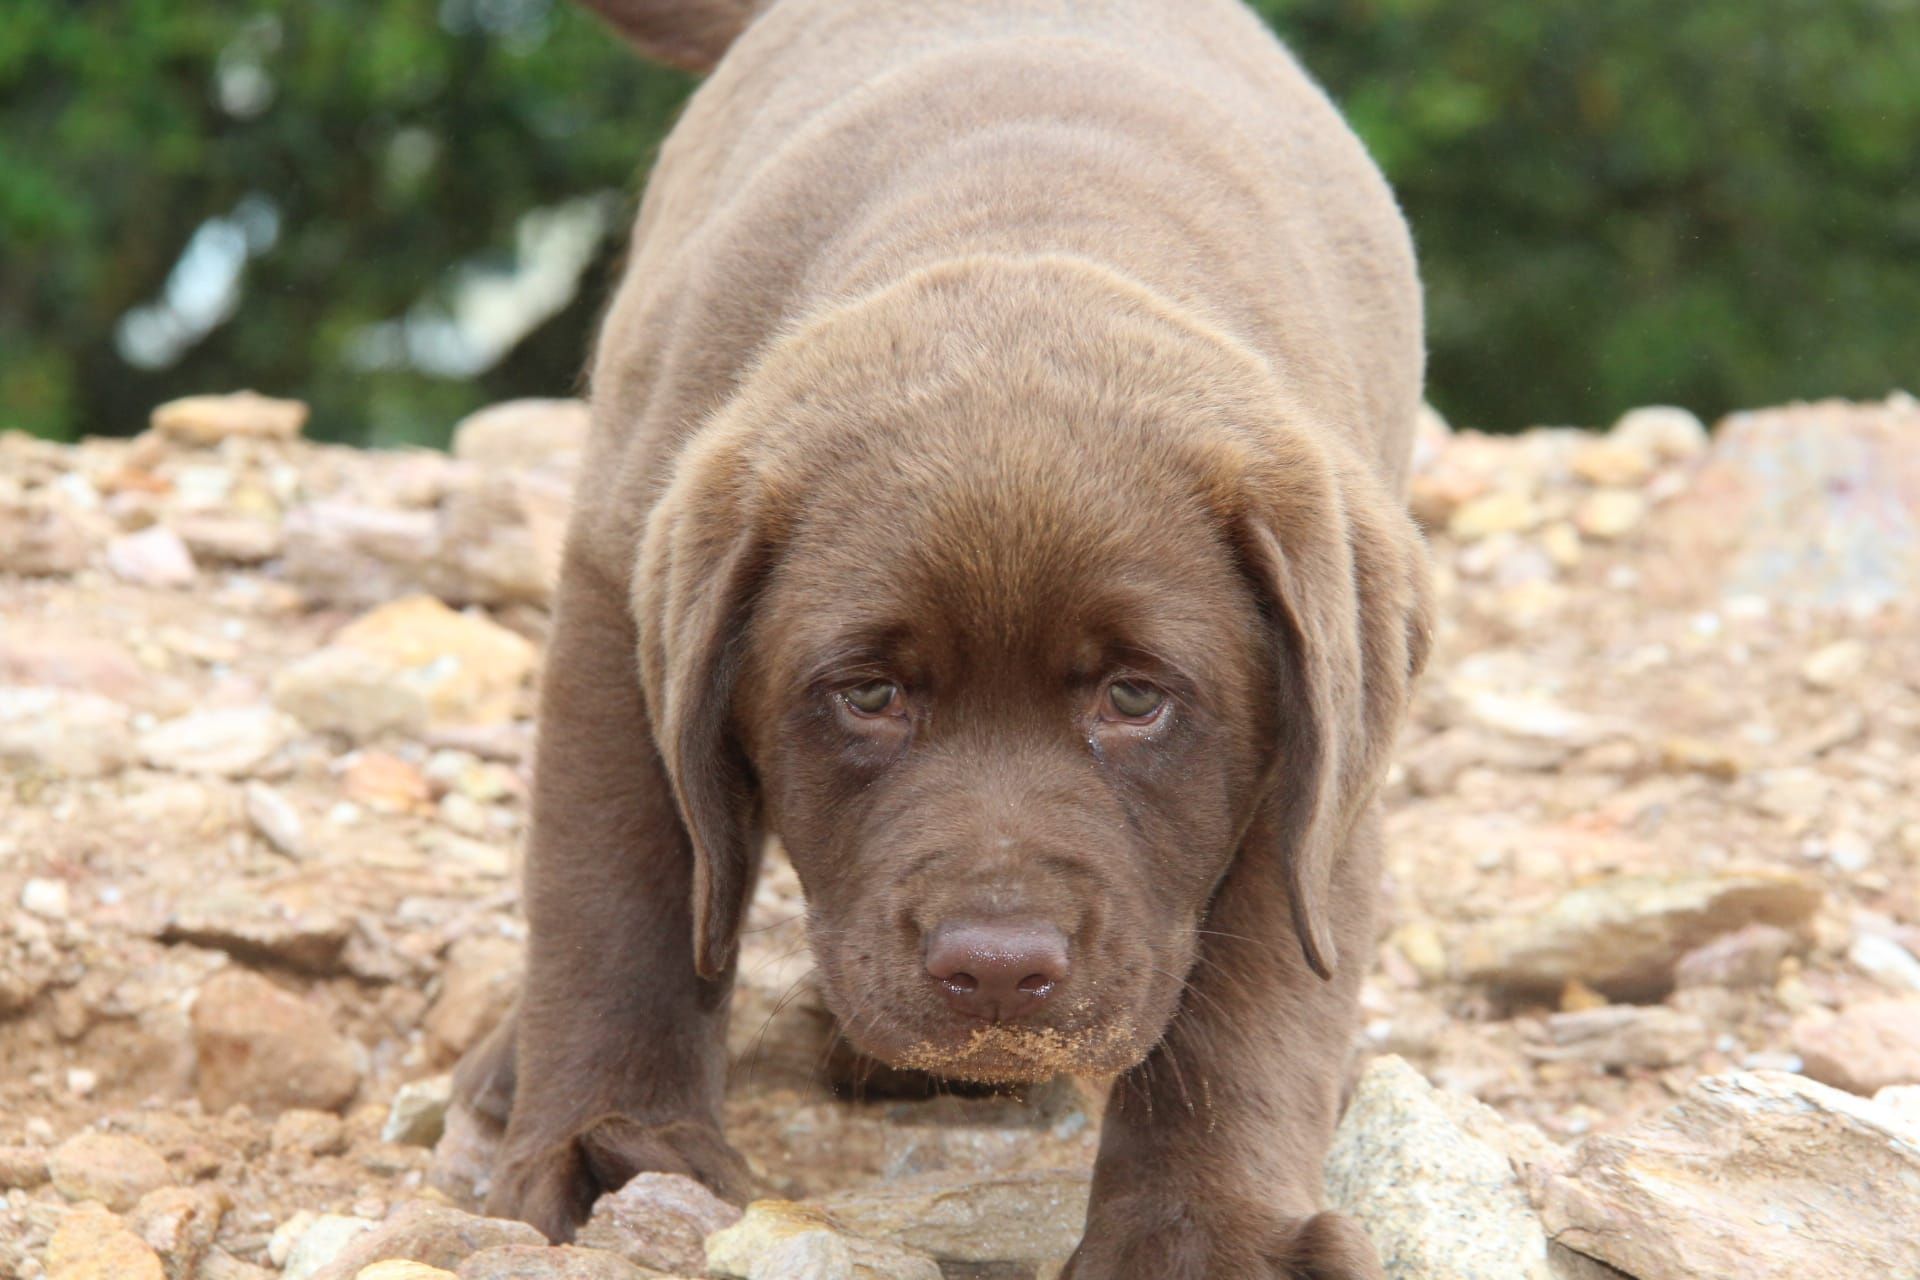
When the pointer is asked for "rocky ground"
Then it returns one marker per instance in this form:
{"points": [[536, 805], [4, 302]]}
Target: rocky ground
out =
{"points": [[1647, 999]]}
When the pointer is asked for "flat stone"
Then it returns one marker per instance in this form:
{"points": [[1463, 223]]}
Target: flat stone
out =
{"points": [[229, 742], [782, 1240], [79, 735], [229, 539], [435, 1234], [1760, 1175], [1415, 1167], [418, 1114], [209, 419], [658, 1220], [1864, 1049], [258, 1044], [115, 1169], [154, 557], [260, 930], [538, 1262], [1020, 1217], [1624, 935], [524, 433], [92, 1244], [1618, 1036]]}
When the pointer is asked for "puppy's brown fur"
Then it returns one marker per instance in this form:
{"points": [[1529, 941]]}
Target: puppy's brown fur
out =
{"points": [[996, 348]]}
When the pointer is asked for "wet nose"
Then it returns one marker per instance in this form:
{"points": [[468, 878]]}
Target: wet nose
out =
{"points": [[997, 970]]}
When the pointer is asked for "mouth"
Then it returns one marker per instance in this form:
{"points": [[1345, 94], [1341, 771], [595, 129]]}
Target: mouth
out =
{"points": [[1010, 1053]]}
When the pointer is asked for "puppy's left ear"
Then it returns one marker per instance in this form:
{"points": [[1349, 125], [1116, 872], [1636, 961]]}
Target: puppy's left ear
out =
{"points": [[703, 556], [1344, 573]]}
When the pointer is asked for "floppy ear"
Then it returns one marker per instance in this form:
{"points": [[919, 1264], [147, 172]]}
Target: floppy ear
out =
{"points": [[1345, 575], [701, 560]]}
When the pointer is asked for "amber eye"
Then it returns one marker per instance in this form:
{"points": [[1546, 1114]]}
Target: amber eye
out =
{"points": [[874, 698], [1131, 700]]}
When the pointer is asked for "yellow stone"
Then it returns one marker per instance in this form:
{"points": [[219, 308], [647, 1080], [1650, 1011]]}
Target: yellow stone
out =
{"points": [[402, 1270], [92, 1244]]}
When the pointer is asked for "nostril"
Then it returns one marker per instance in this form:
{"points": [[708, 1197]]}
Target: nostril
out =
{"points": [[1036, 984], [961, 983]]}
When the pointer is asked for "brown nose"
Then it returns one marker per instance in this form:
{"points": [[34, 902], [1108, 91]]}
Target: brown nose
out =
{"points": [[998, 970]]}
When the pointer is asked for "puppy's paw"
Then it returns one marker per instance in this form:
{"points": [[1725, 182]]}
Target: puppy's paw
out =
{"points": [[553, 1185], [1171, 1242]]}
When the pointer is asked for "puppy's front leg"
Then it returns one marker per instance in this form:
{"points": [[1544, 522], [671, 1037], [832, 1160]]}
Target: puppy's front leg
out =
{"points": [[620, 1049], [1211, 1152]]}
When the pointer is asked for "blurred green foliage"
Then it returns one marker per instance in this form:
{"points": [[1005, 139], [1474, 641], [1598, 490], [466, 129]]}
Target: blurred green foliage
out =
{"points": [[1714, 203]]}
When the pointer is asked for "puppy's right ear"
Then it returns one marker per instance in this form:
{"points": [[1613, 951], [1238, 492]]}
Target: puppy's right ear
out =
{"points": [[705, 551]]}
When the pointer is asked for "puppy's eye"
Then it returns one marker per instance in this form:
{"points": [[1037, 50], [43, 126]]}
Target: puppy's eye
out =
{"points": [[874, 698], [1132, 700]]}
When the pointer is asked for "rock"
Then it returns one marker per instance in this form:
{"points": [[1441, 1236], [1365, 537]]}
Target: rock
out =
{"points": [[80, 735], [1835, 666], [229, 741], [308, 1133], [1625, 935], [23, 1167], [404, 668], [342, 554], [115, 1169], [1867, 1048], [1017, 1218], [40, 538], [207, 420], [477, 987], [261, 930], [278, 822], [221, 1265], [1610, 514], [535, 1262], [420, 1231], [1886, 960], [782, 1240], [321, 1240], [418, 1115], [229, 539], [385, 783], [1902, 1101], [1667, 433], [257, 1044], [1810, 504], [92, 1244], [1412, 1165], [1748, 957], [48, 899], [154, 557], [1760, 1175], [1613, 463], [1506, 511], [1619, 1036], [659, 1220], [523, 433], [180, 1223], [399, 1270]]}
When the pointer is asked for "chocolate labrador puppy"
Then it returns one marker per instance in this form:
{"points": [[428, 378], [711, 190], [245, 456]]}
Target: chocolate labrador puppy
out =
{"points": [[1000, 434]]}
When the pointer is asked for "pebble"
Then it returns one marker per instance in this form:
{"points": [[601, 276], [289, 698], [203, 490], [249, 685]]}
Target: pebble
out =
{"points": [[1886, 960], [313, 1242], [22, 1167], [523, 433], [1616, 1037], [781, 1240], [385, 783], [305, 1132], [92, 1244], [154, 557], [63, 731], [539, 1262], [1507, 511], [115, 1169], [1865, 1048], [1612, 462], [48, 899], [1668, 433], [425, 1232], [278, 822], [1007, 1218], [1835, 666], [396, 1269], [180, 1223], [209, 419], [228, 741], [418, 1114], [258, 1044], [1610, 514], [658, 1220], [477, 987], [1747, 957]]}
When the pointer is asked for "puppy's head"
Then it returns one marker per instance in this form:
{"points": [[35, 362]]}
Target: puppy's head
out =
{"points": [[1014, 604]]}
